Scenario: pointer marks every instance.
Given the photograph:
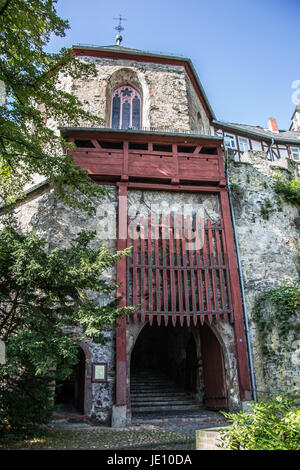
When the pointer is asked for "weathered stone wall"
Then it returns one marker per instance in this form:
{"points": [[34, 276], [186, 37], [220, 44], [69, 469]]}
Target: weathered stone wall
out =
{"points": [[169, 99], [198, 117], [43, 213], [268, 239]]}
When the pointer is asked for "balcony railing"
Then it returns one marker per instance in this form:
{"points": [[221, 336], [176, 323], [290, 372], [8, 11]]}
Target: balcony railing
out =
{"points": [[107, 155], [158, 130]]}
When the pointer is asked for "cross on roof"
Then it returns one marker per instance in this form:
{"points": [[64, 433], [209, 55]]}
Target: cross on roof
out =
{"points": [[119, 28]]}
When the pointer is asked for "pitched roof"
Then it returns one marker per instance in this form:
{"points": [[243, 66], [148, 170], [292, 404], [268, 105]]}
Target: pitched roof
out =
{"points": [[127, 50], [282, 135]]}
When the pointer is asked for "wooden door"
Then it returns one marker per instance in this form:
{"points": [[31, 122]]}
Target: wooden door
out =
{"points": [[215, 393]]}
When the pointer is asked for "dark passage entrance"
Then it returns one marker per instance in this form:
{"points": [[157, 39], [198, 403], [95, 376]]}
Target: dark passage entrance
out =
{"points": [[179, 367], [163, 348], [191, 365], [70, 393], [164, 369]]}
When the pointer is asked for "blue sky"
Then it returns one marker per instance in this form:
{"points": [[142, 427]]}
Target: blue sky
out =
{"points": [[246, 53]]}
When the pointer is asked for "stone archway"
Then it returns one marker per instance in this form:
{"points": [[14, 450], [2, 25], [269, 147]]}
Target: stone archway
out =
{"points": [[189, 356], [71, 394], [128, 76]]}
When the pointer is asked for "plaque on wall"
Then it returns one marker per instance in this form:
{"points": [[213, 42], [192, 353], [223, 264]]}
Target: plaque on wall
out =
{"points": [[99, 372]]}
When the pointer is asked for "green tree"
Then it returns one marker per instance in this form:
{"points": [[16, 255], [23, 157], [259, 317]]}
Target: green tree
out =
{"points": [[30, 95], [41, 293]]}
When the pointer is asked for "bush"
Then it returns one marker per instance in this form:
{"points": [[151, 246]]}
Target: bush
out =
{"points": [[270, 425], [290, 189]]}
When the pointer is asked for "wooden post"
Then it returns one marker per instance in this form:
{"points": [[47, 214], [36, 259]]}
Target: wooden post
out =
{"points": [[121, 385], [239, 329], [124, 176]]}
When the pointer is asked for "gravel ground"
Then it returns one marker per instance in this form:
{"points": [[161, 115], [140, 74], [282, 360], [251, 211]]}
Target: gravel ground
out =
{"points": [[170, 431], [86, 437]]}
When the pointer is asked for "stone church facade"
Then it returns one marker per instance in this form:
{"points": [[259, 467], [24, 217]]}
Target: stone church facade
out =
{"points": [[200, 253]]}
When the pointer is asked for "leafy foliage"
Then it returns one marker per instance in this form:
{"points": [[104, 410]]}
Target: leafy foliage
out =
{"points": [[285, 302], [42, 293], [270, 425], [31, 78], [289, 188]]}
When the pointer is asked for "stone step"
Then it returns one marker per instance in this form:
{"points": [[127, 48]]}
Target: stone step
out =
{"points": [[163, 400], [158, 394], [150, 382], [143, 409], [156, 389], [152, 391], [153, 388], [156, 382]]}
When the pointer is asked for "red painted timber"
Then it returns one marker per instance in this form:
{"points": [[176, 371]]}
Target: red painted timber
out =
{"points": [[124, 163], [157, 272], [239, 330], [169, 187], [142, 269], [178, 236], [121, 386], [149, 166], [113, 164], [215, 393]]}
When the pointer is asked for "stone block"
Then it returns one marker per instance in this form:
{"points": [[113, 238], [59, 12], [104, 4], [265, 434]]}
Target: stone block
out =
{"points": [[208, 439], [118, 419]]}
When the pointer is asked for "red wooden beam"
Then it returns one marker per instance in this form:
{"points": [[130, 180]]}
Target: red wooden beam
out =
{"points": [[124, 176], [121, 383], [169, 187], [239, 330]]}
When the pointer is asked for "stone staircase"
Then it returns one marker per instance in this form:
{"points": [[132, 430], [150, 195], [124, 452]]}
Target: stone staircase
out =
{"points": [[154, 391]]}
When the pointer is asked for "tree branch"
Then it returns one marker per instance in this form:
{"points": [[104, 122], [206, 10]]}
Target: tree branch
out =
{"points": [[5, 6]]}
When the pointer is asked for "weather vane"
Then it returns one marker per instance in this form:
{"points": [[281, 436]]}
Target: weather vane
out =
{"points": [[119, 28]]}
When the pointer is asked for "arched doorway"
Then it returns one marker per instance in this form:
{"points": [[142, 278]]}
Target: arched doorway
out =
{"points": [[69, 394], [190, 357]]}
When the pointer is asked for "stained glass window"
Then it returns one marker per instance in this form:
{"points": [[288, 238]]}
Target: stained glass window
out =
{"points": [[115, 115], [126, 108]]}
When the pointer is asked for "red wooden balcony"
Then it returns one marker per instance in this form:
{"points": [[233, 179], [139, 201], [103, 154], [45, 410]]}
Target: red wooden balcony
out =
{"points": [[117, 155]]}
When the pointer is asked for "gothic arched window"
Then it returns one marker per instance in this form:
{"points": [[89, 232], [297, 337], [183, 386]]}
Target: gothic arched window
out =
{"points": [[126, 108]]}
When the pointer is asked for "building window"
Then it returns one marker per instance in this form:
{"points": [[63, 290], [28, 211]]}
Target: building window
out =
{"points": [[126, 108], [243, 144], [199, 122], [229, 141], [295, 151]]}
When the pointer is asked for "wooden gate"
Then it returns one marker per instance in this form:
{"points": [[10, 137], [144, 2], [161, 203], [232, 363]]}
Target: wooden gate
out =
{"points": [[178, 270], [215, 395]]}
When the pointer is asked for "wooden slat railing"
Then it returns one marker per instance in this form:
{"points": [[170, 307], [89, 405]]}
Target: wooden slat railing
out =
{"points": [[178, 271]]}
